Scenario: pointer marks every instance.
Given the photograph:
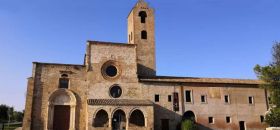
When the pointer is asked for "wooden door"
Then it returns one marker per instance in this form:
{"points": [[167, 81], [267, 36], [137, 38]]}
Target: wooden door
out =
{"points": [[61, 117], [164, 124]]}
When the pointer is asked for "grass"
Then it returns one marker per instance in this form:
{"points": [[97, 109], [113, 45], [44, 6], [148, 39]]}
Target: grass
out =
{"points": [[12, 126]]}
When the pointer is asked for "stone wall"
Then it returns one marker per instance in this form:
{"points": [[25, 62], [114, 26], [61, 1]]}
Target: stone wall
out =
{"points": [[238, 108], [46, 80]]}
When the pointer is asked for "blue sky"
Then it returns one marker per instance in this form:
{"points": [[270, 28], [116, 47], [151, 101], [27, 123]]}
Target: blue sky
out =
{"points": [[199, 38]]}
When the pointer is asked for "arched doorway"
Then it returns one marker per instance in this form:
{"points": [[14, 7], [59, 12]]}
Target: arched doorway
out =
{"points": [[61, 111], [101, 119], [189, 115], [137, 119], [119, 120]]}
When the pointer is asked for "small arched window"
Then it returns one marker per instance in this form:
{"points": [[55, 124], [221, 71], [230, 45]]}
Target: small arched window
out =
{"points": [[144, 34], [143, 16], [64, 81]]}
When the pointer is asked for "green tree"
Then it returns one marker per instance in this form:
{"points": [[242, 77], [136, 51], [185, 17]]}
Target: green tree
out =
{"points": [[3, 113], [270, 74], [188, 125], [7, 112], [17, 116], [273, 117]]}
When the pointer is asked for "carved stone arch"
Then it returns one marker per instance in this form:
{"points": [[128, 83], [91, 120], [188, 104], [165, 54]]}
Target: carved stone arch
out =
{"points": [[137, 118], [61, 98], [189, 115], [116, 109], [97, 110], [119, 119], [100, 118], [138, 108]]}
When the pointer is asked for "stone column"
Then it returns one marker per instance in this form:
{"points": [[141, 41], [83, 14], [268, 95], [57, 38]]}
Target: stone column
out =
{"points": [[72, 117], [50, 118], [127, 123], [110, 122], [146, 122]]}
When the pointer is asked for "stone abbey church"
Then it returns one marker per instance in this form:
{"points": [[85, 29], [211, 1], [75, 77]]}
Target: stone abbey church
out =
{"points": [[116, 88]]}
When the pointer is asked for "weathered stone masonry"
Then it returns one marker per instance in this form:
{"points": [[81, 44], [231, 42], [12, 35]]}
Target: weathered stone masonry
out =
{"points": [[117, 88]]}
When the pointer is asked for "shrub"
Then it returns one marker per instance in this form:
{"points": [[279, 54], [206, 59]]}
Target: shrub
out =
{"points": [[273, 117], [188, 125]]}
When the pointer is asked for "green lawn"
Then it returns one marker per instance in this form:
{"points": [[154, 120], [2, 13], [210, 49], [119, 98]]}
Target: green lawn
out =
{"points": [[12, 127]]}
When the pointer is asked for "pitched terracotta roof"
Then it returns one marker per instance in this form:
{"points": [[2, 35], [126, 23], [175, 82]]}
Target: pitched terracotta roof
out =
{"points": [[110, 43], [199, 80], [60, 64], [120, 102]]}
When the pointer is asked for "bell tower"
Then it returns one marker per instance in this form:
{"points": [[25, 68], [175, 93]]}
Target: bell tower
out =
{"points": [[141, 31]]}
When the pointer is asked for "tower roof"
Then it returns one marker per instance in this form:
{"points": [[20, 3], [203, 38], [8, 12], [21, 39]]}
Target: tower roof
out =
{"points": [[141, 2]]}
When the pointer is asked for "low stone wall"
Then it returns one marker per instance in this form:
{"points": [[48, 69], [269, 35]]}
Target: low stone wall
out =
{"points": [[273, 128]]}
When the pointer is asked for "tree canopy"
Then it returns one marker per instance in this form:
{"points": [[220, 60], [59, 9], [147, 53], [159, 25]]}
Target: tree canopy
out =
{"points": [[270, 74], [7, 112]]}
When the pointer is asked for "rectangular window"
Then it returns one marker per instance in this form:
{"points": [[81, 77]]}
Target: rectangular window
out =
{"points": [[169, 98], [63, 83], [156, 98], [251, 100], [226, 98], [203, 98], [227, 119], [188, 96], [211, 120], [262, 119]]}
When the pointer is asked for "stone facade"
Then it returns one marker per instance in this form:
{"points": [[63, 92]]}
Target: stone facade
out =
{"points": [[117, 88]]}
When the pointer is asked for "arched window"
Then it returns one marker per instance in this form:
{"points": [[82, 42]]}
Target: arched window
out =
{"points": [[64, 81], [137, 119], [101, 119], [143, 16], [144, 34]]}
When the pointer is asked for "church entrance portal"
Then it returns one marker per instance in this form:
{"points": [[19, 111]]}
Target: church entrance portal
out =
{"points": [[61, 117], [61, 110], [119, 120]]}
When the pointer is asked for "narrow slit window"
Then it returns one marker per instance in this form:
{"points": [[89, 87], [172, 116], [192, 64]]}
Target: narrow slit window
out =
{"points": [[228, 119], [144, 34], [251, 100], [226, 98], [156, 98], [211, 120], [262, 118], [203, 99], [169, 98], [188, 96]]}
